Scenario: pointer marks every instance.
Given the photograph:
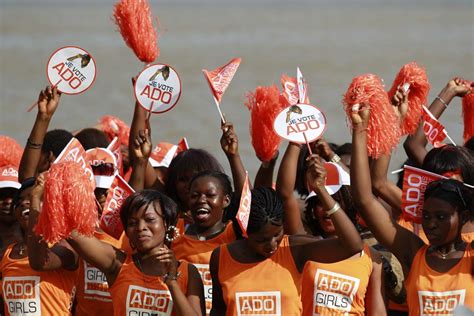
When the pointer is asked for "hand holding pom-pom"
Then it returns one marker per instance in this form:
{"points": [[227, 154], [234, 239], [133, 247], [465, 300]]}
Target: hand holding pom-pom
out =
{"points": [[360, 115]]}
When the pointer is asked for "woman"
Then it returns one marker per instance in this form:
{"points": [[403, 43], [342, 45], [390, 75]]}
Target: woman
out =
{"points": [[263, 271], [439, 275]]}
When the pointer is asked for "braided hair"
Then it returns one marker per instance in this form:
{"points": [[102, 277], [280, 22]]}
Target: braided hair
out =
{"points": [[266, 207]]}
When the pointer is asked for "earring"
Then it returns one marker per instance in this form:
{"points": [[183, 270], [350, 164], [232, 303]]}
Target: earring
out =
{"points": [[172, 233]]}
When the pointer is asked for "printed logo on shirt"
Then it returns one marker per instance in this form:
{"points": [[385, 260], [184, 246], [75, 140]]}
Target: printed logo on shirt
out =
{"points": [[22, 295], [207, 282], [258, 303], [440, 303], [333, 291], [95, 283], [142, 301]]}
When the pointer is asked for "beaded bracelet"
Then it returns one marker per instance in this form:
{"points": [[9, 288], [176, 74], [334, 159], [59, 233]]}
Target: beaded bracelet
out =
{"points": [[167, 277], [32, 145]]}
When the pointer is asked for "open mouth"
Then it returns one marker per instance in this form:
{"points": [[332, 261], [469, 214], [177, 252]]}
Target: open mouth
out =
{"points": [[26, 212], [202, 213], [5, 211]]}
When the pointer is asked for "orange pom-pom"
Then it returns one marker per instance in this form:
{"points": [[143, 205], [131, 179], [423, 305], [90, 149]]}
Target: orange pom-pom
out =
{"points": [[68, 203], [419, 87], [383, 131], [264, 104], [115, 127], [133, 17], [468, 115], [10, 151]]}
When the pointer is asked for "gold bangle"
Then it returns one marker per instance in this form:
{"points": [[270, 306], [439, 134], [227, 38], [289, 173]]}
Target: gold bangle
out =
{"points": [[334, 209]]}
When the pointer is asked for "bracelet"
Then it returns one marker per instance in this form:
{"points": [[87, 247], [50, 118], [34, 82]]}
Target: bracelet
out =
{"points": [[335, 158], [168, 276], [442, 101], [334, 209], [32, 145]]}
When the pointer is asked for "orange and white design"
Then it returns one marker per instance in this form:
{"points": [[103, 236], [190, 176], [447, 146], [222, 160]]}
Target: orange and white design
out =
{"points": [[22, 295], [144, 301], [333, 291], [95, 284], [207, 282], [258, 303], [440, 303], [220, 78]]}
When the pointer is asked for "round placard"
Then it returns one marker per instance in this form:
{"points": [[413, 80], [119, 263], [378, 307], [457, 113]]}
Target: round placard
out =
{"points": [[72, 69], [158, 88], [300, 120]]}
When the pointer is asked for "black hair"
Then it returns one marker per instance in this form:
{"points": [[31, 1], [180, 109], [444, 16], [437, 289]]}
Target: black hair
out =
{"points": [[266, 207], [92, 138], [344, 198], [344, 149], [454, 192], [28, 183], [55, 141], [401, 174], [191, 160], [469, 144], [450, 158], [144, 198], [223, 179]]}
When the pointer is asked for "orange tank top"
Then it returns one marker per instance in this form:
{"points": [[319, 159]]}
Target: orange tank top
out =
{"points": [[135, 293], [198, 252], [338, 288], [269, 287], [93, 297], [35, 293], [433, 293]]}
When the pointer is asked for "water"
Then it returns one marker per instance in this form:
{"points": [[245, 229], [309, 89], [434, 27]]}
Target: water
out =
{"points": [[331, 41]]}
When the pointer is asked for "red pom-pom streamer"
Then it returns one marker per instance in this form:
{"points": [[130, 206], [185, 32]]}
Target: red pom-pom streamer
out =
{"points": [[133, 17], [468, 115], [10, 152], [419, 88], [68, 203], [115, 127], [264, 104], [383, 131]]}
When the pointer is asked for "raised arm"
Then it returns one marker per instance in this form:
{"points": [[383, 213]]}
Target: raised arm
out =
{"points": [[230, 146], [395, 238], [40, 256], [264, 177], [415, 145], [48, 101], [140, 122], [141, 151], [218, 305], [285, 186]]}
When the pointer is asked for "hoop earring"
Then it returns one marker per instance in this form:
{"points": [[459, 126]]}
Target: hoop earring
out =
{"points": [[172, 233]]}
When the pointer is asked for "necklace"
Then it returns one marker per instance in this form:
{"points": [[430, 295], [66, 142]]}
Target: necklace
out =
{"points": [[22, 248], [443, 255]]}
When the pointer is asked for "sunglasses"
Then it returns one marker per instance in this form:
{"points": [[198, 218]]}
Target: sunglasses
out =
{"points": [[104, 169]]}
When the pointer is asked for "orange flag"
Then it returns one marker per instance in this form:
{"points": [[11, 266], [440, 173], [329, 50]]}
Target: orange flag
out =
{"points": [[243, 213], [220, 78], [434, 130], [110, 220]]}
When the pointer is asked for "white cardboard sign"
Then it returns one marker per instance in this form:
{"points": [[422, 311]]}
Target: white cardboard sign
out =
{"points": [[72, 69], [300, 120], [158, 88]]}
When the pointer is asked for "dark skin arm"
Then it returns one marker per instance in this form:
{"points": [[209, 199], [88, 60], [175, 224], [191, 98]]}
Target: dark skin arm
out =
{"points": [[40, 256], [285, 186], [415, 145], [375, 303], [140, 122], [218, 305], [230, 146], [141, 151], [264, 177], [395, 238], [48, 101], [195, 291]]}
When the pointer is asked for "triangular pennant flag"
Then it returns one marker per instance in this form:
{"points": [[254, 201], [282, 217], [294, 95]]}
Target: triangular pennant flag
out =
{"points": [[291, 90], [114, 147], [110, 220], [75, 152], [220, 78], [434, 130], [162, 155], [243, 214], [183, 145], [302, 86]]}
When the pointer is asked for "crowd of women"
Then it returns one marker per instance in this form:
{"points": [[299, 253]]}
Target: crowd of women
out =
{"points": [[349, 252]]}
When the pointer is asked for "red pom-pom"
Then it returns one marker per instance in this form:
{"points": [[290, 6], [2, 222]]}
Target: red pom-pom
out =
{"points": [[468, 115], [115, 127], [264, 104], [419, 87], [10, 152], [68, 203], [133, 17], [383, 131]]}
